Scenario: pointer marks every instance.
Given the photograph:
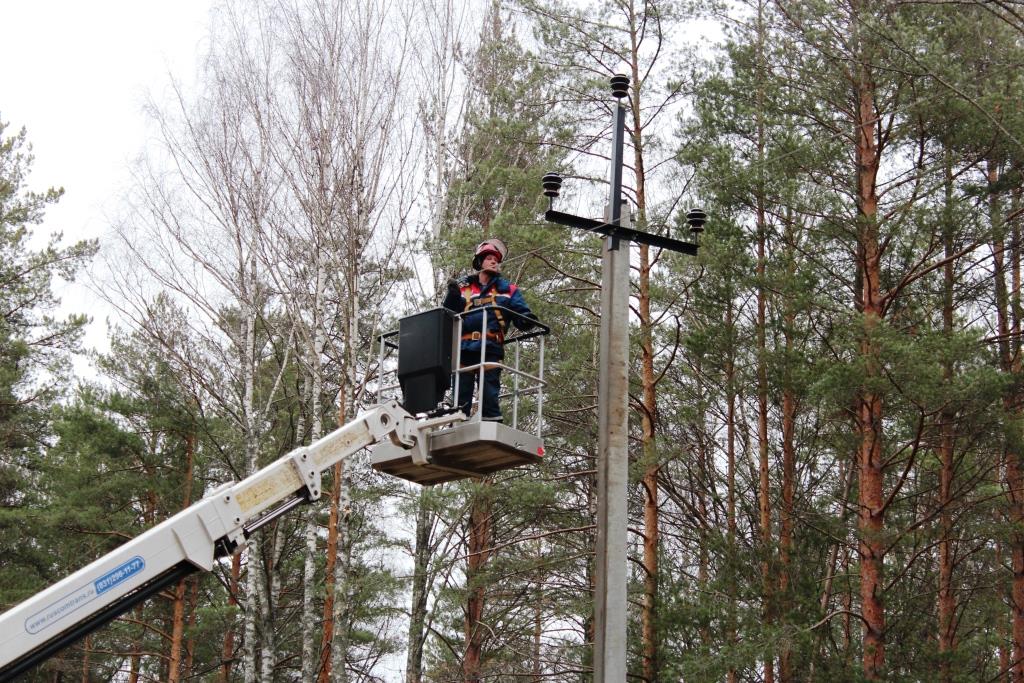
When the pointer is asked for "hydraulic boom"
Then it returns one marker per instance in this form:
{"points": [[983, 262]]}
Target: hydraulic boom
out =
{"points": [[191, 540]]}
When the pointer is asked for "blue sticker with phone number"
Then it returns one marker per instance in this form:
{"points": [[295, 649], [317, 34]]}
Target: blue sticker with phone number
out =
{"points": [[84, 595]]}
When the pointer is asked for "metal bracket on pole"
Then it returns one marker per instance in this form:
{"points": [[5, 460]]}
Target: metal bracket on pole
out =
{"points": [[621, 231]]}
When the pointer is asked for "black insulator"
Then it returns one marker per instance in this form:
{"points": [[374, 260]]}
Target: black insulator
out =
{"points": [[620, 85], [696, 218], [552, 183]]}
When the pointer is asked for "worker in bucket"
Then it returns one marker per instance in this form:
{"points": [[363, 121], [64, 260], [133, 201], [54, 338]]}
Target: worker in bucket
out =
{"points": [[468, 295]]}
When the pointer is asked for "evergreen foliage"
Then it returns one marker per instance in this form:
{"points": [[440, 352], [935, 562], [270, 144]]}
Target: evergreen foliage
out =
{"points": [[35, 349], [851, 325]]}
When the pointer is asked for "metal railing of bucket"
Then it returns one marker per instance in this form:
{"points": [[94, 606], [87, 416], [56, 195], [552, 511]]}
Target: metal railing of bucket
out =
{"points": [[535, 382], [523, 383]]}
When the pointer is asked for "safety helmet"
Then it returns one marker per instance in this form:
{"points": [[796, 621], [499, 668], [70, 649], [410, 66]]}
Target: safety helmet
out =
{"points": [[491, 246]]}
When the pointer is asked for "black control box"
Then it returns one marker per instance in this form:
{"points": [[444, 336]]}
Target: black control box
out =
{"points": [[425, 358]]}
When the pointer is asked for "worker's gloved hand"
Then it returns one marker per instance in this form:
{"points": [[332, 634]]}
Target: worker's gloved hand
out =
{"points": [[457, 283], [526, 322]]}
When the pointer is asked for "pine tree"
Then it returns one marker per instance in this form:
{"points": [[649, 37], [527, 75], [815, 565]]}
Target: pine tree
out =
{"points": [[35, 350], [495, 193], [128, 456]]}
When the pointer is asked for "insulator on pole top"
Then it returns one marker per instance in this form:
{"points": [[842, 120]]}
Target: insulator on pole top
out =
{"points": [[696, 218], [552, 183], [620, 85]]}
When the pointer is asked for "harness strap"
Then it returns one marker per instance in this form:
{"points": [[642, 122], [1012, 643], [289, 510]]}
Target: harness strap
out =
{"points": [[467, 296]]}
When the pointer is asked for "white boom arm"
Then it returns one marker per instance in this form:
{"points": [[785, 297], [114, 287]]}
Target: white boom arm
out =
{"points": [[190, 540]]}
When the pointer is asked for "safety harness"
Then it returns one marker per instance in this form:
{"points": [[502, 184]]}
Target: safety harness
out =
{"points": [[495, 336]]}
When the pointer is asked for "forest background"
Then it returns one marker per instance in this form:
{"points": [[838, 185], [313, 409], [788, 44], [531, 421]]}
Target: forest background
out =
{"points": [[827, 434]]}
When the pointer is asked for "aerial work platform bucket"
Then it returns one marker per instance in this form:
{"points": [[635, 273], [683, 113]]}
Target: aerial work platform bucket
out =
{"points": [[460, 448], [469, 449]]}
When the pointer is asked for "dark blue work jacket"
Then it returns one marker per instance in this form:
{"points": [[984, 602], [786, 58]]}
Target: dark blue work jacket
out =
{"points": [[499, 292]]}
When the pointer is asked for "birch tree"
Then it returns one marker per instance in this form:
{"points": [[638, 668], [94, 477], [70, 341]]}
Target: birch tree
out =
{"points": [[200, 209]]}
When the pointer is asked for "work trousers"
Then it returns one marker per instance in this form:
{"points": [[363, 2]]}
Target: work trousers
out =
{"points": [[492, 382]]}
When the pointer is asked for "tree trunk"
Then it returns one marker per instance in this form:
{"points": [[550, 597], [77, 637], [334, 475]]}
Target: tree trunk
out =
{"points": [[847, 612], [871, 500], [420, 592], [177, 632], [649, 632], [252, 584], [174, 670], [1004, 628], [868, 416], [86, 651], [947, 600], [731, 523], [787, 512], [253, 596], [310, 660], [538, 631], [342, 609], [648, 416], [329, 578], [649, 635], [227, 655], [703, 482], [478, 551], [1014, 364], [333, 536], [590, 624], [268, 605], [764, 483], [135, 660], [1015, 368], [190, 644], [651, 466], [1011, 458]]}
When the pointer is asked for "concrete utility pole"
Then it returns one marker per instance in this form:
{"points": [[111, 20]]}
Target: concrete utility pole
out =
{"points": [[610, 561], [610, 606]]}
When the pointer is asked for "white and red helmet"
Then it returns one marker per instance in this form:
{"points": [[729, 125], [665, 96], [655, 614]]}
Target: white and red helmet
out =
{"points": [[491, 246]]}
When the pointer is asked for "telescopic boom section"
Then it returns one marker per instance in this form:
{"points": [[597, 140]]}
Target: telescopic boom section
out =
{"points": [[189, 541]]}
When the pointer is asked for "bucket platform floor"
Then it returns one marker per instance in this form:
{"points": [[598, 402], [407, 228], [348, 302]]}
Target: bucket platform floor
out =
{"points": [[468, 449]]}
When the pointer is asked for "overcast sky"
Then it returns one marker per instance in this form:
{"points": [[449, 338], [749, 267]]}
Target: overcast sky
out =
{"points": [[76, 74]]}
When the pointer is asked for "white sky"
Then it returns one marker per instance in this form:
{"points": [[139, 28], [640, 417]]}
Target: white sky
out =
{"points": [[76, 74]]}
